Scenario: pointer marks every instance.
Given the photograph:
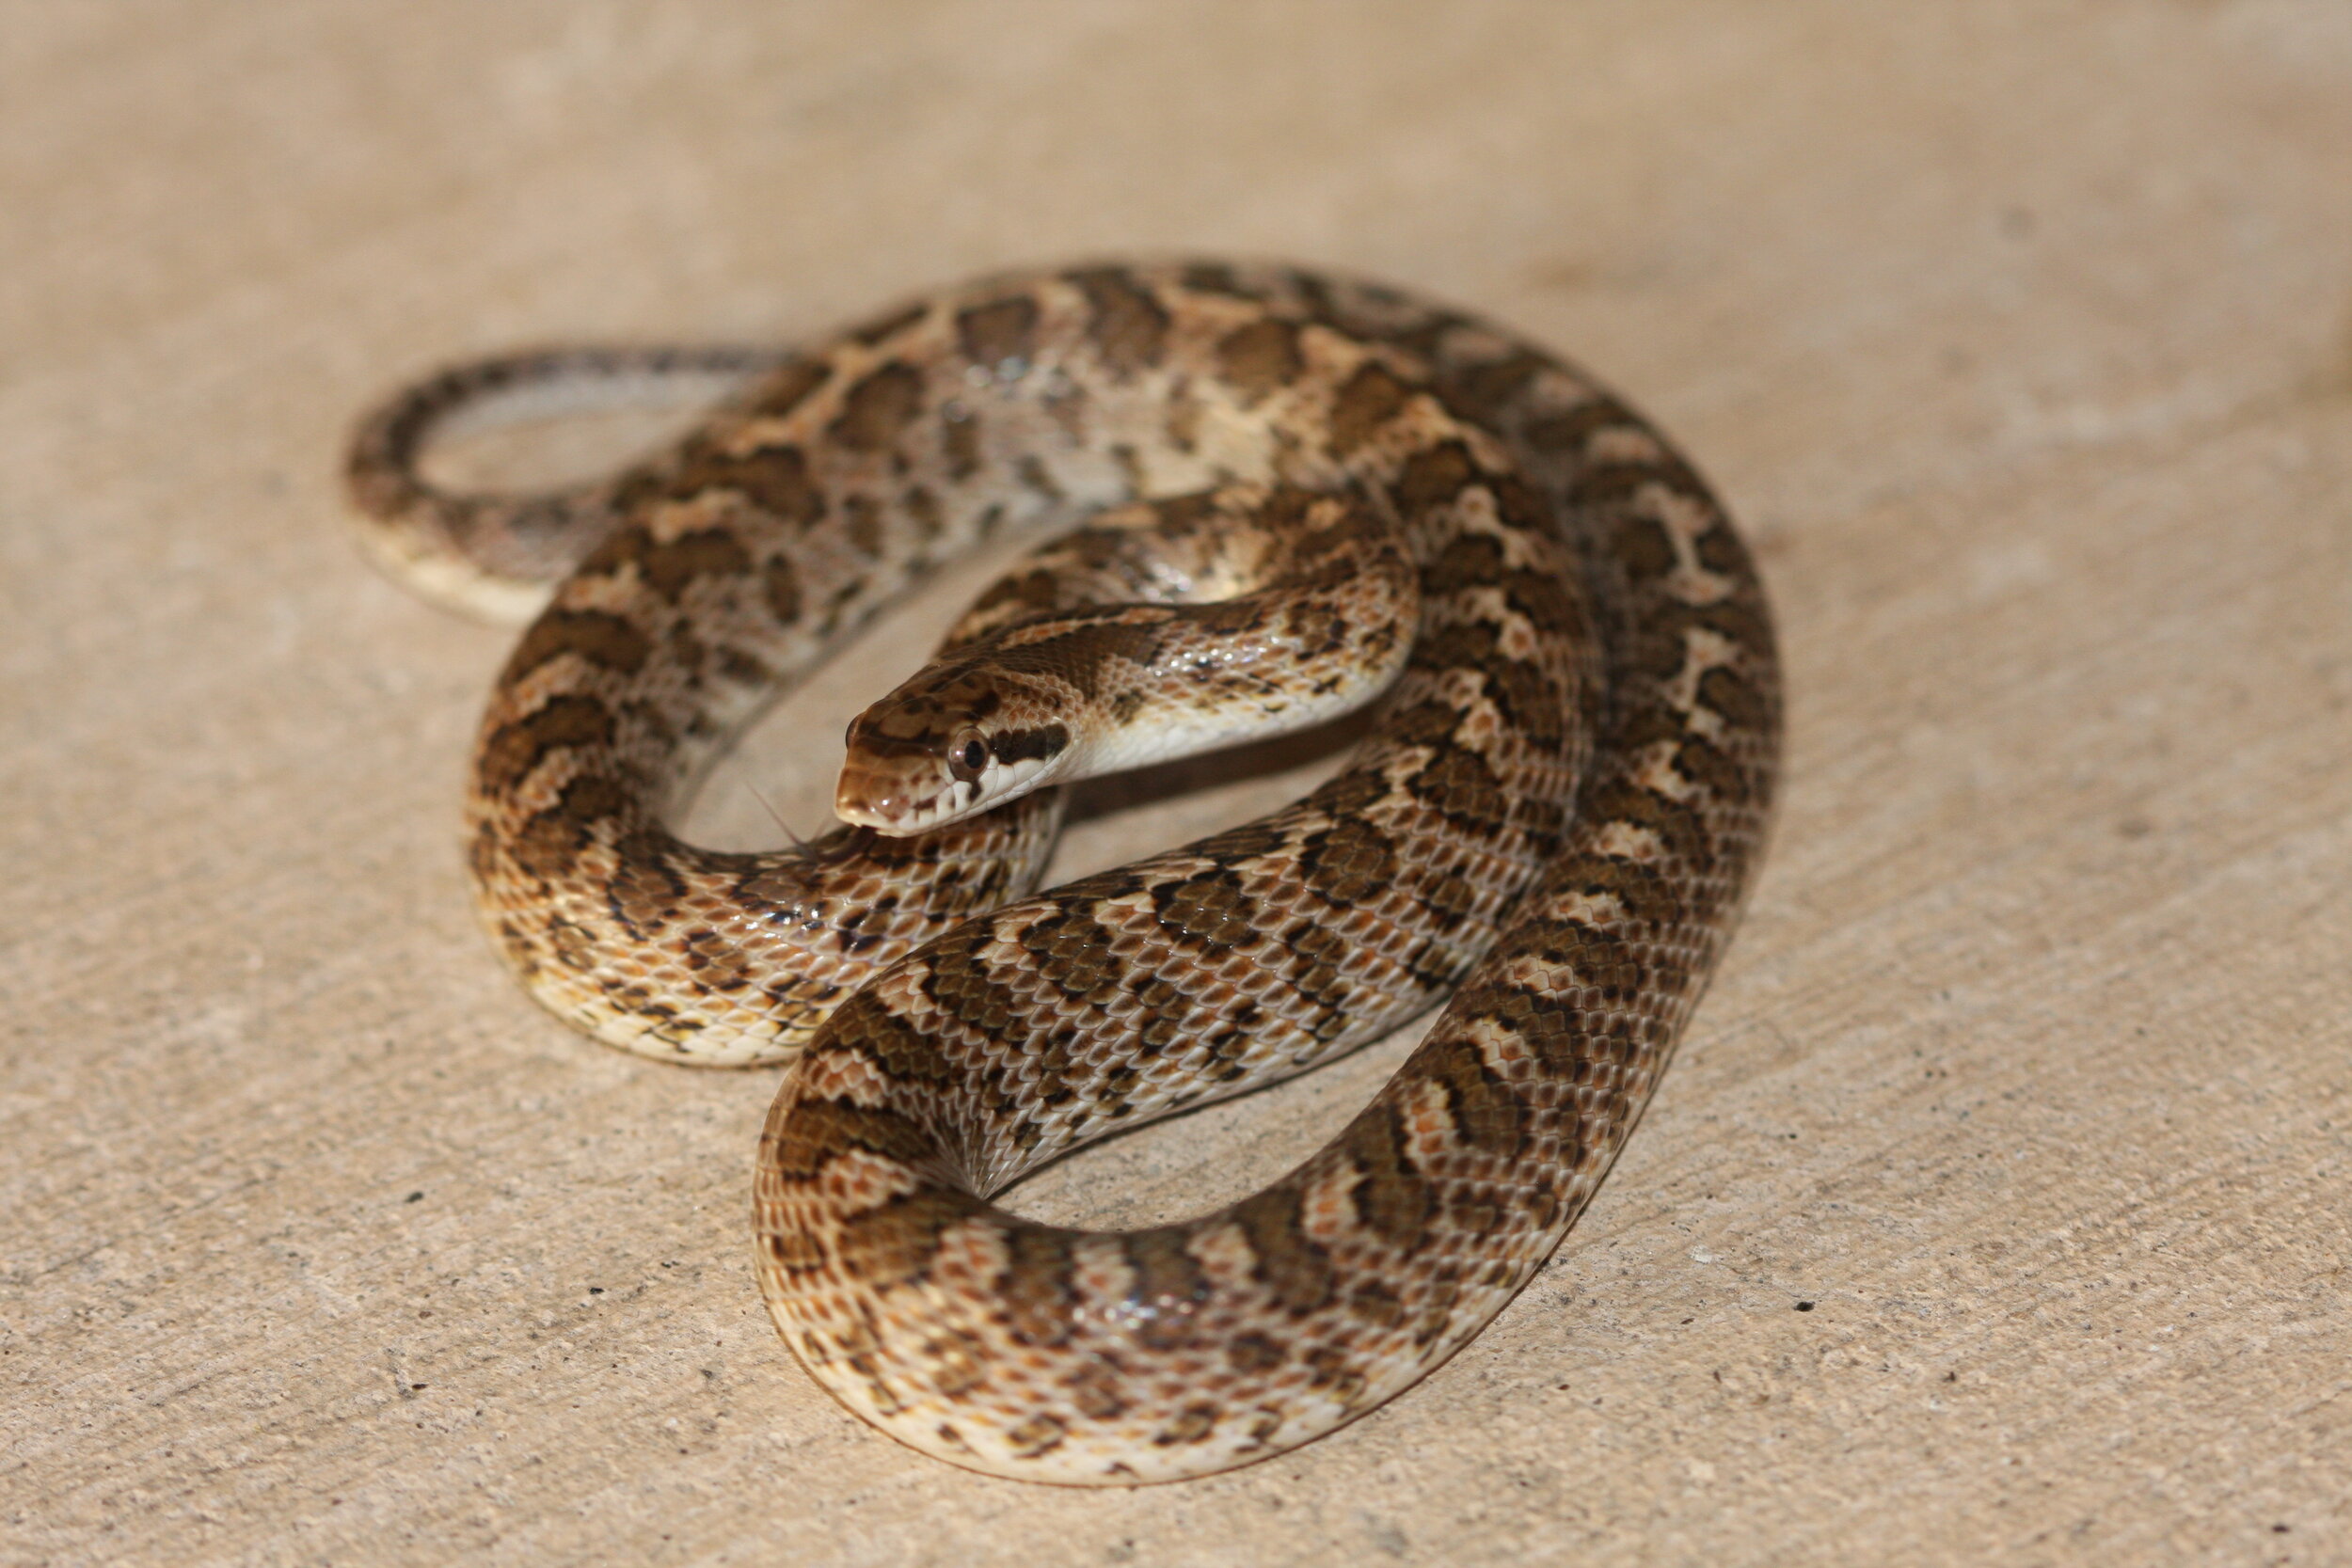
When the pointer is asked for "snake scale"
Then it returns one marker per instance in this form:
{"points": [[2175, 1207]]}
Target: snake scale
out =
{"points": [[1288, 492]]}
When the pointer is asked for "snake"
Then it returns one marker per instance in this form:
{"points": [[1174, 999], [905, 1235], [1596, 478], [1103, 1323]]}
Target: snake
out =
{"points": [[1283, 495]]}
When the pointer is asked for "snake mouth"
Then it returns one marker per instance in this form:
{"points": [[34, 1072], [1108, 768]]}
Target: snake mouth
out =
{"points": [[891, 803]]}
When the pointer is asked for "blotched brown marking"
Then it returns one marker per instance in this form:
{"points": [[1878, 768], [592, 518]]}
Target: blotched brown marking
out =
{"points": [[1469, 561], [789, 387], [780, 585], [1330, 1369], [1425, 723], [1530, 701], [1261, 358], [516, 746], [1742, 621], [961, 982], [793, 1251], [1645, 894], [1210, 908], [1730, 694], [1486, 1115], [1168, 1286], [1390, 1198], [1437, 1308], [1713, 768], [1127, 325], [1476, 1211], [1072, 950], [1349, 861], [1039, 1434], [776, 480], [1610, 970], [1226, 617], [1566, 434], [1192, 1424], [818, 1132], [648, 724], [1250, 841], [1678, 827], [1250, 1354], [1645, 548], [1167, 1013], [1656, 649], [1288, 1263], [1375, 1304], [1350, 793], [1319, 976], [864, 1025], [958, 1362], [1082, 655], [1211, 277], [1618, 482], [1433, 476], [922, 509], [1481, 393], [575, 945], [670, 566], [644, 890], [1366, 400], [959, 441], [1094, 1388], [1722, 551], [716, 960], [896, 1241], [743, 667], [1004, 330], [861, 526], [1315, 630], [876, 410], [1036, 1286], [605, 640], [1460, 784]]}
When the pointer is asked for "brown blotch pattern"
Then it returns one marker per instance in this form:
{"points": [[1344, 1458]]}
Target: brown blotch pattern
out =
{"points": [[1002, 330], [876, 410], [1244, 956], [1127, 325], [1261, 358]]}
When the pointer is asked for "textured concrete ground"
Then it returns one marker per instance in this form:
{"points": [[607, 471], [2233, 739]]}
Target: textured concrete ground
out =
{"points": [[1996, 1211]]}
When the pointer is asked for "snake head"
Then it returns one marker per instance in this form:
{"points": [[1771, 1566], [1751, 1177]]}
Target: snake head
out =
{"points": [[944, 746]]}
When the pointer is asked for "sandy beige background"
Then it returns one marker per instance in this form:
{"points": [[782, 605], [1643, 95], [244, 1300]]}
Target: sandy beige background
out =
{"points": [[2020, 336]]}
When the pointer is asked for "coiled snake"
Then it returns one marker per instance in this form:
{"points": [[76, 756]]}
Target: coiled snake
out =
{"points": [[1292, 493]]}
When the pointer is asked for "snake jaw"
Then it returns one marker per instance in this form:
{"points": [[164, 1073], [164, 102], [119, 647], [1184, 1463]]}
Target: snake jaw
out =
{"points": [[899, 787]]}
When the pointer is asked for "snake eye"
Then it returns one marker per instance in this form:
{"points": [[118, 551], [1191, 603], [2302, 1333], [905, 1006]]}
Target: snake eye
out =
{"points": [[969, 758]]}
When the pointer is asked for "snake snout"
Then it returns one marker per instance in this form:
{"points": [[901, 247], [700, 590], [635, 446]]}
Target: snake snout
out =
{"points": [[884, 800]]}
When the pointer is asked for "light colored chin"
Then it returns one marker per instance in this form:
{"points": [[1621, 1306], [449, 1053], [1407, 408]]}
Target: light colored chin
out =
{"points": [[890, 827], [902, 824]]}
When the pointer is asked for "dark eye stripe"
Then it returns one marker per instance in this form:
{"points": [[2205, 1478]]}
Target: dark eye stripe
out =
{"points": [[1022, 745]]}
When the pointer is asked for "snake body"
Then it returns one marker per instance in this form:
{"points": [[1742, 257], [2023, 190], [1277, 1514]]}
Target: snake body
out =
{"points": [[1291, 487]]}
